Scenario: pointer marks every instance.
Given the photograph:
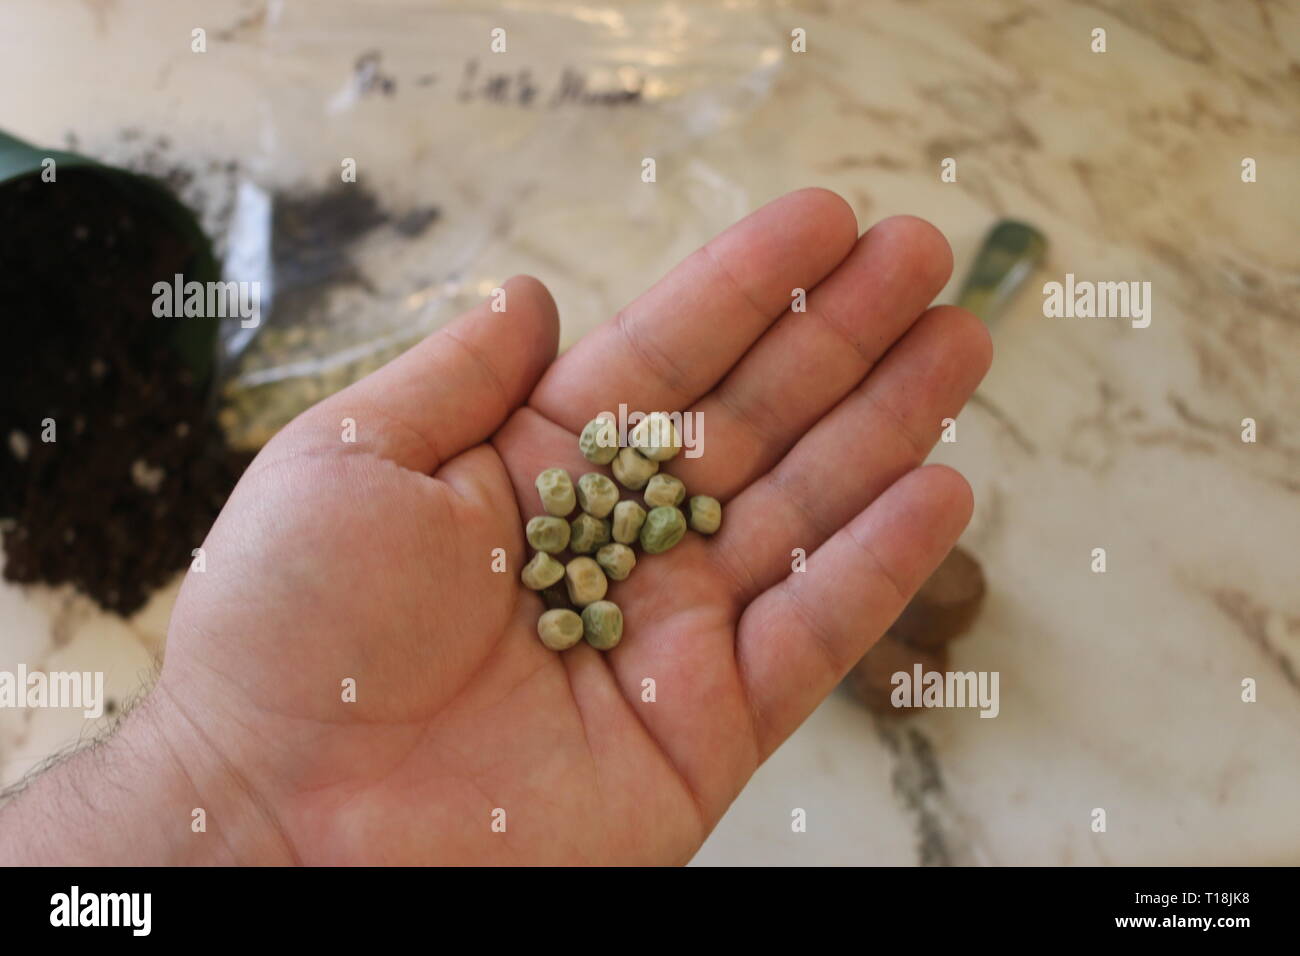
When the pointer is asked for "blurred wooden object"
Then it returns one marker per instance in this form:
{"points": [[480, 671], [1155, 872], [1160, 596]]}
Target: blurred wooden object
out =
{"points": [[943, 610]]}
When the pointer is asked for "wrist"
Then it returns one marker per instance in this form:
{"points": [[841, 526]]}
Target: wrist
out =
{"points": [[157, 791], [226, 819]]}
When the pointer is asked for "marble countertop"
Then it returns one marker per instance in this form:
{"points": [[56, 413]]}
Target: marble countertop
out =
{"points": [[1119, 690]]}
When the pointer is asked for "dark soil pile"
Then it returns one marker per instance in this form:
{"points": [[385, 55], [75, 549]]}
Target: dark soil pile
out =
{"points": [[314, 235], [137, 471]]}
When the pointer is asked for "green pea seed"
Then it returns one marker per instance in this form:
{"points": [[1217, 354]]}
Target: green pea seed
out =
{"points": [[664, 490], [706, 514], [602, 624], [632, 469], [628, 518], [599, 439], [587, 534], [663, 528], [560, 629], [616, 560], [556, 490], [655, 437], [585, 581], [541, 572], [597, 495], [548, 533]]}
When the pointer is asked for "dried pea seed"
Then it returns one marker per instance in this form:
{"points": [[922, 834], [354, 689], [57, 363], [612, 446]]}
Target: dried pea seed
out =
{"points": [[602, 624], [556, 491], [663, 528], [548, 533], [597, 495], [632, 469], [587, 534], [541, 572], [706, 514], [599, 440], [628, 518], [664, 490], [655, 437], [560, 629], [585, 581], [616, 560]]}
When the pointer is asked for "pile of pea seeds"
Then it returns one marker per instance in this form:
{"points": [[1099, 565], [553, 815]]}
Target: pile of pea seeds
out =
{"points": [[574, 590]]}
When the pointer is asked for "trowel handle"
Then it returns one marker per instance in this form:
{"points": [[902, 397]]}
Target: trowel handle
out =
{"points": [[1011, 251]]}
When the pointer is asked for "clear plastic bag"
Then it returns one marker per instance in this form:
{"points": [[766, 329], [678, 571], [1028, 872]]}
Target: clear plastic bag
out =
{"points": [[482, 142]]}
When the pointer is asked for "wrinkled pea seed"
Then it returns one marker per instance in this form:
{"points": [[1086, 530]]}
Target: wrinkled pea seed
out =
{"points": [[663, 528], [599, 439], [587, 534], [597, 495], [548, 533], [706, 514], [585, 581], [628, 518], [602, 624], [616, 560], [655, 436], [541, 572], [556, 490], [664, 490], [560, 629], [632, 469]]}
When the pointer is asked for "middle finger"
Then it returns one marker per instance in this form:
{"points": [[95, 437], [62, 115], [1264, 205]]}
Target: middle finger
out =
{"points": [[808, 361]]}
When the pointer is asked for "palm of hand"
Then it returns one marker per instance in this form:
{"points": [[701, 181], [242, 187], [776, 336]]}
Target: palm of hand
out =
{"points": [[374, 561]]}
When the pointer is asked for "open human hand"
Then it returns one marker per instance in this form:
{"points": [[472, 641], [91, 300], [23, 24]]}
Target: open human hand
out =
{"points": [[371, 561]]}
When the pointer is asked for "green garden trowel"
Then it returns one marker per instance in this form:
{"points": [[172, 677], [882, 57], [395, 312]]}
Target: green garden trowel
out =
{"points": [[1011, 252]]}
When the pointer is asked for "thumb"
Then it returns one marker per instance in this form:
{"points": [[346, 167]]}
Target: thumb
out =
{"points": [[453, 389]]}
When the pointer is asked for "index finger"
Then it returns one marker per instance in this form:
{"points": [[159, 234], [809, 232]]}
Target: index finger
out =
{"points": [[676, 341]]}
